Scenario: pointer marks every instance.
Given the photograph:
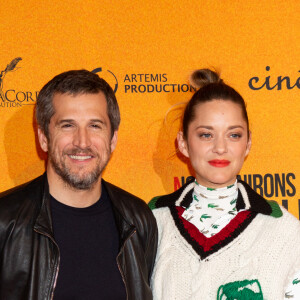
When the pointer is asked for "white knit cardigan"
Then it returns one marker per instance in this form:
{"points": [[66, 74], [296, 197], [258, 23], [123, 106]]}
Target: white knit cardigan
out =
{"points": [[255, 261]]}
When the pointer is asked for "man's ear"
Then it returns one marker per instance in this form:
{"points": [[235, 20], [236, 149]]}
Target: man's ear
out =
{"points": [[182, 144], [43, 140], [113, 142], [249, 143]]}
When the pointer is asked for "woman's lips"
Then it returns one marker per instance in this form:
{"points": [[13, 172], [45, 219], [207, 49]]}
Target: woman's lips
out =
{"points": [[219, 163]]}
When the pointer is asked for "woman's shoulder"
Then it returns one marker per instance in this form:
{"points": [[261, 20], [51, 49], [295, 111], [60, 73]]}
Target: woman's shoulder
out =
{"points": [[176, 198], [290, 221], [249, 199], [269, 208]]}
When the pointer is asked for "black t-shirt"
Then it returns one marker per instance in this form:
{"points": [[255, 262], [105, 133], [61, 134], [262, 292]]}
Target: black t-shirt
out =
{"points": [[88, 241]]}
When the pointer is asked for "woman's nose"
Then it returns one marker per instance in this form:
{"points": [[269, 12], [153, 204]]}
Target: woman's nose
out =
{"points": [[220, 145]]}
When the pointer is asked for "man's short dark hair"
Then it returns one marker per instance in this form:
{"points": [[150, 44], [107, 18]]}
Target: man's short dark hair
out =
{"points": [[75, 82]]}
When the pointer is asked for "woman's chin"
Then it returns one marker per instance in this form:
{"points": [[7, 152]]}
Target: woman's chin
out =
{"points": [[217, 182]]}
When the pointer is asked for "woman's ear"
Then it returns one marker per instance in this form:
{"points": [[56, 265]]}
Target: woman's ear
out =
{"points": [[182, 144], [249, 143]]}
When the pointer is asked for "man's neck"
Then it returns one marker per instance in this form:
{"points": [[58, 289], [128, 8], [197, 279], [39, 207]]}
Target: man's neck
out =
{"points": [[67, 195]]}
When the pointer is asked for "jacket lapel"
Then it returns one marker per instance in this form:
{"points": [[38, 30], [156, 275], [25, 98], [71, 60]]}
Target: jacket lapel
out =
{"points": [[124, 226], [43, 223]]}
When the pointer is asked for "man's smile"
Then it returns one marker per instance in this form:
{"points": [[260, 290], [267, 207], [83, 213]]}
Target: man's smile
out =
{"points": [[80, 157]]}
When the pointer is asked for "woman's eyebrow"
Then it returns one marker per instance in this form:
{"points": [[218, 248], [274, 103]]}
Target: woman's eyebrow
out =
{"points": [[235, 126], [205, 127], [211, 127]]}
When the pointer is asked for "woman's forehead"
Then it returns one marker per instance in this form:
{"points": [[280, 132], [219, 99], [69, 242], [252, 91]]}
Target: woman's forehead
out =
{"points": [[218, 109]]}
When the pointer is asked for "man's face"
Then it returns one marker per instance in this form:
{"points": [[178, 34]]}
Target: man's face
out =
{"points": [[79, 143]]}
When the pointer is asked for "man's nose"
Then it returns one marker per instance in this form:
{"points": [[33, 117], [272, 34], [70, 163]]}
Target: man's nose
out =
{"points": [[82, 138]]}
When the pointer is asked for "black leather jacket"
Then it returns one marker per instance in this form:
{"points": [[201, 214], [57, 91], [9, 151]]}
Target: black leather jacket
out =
{"points": [[29, 256]]}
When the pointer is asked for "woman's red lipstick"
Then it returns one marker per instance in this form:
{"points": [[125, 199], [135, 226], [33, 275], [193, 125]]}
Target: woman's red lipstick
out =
{"points": [[219, 163]]}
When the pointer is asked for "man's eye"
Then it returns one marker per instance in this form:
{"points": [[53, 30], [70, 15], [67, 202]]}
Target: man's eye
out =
{"points": [[66, 125], [96, 126]]}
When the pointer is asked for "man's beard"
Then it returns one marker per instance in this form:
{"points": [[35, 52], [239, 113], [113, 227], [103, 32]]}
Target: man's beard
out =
{"points": [[84, 182]]}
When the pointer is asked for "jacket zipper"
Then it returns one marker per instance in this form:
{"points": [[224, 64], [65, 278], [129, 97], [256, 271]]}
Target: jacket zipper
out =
{"points": [[119, 267], [57, 266]]}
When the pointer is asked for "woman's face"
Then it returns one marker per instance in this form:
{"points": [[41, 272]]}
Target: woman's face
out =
{"points": [[217, 142]]}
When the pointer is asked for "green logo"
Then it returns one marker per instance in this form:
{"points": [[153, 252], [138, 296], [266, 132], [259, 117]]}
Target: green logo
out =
{"points": [[240, 290]]}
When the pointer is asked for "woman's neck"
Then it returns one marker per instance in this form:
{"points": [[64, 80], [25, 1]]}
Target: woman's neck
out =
{"points": [[215, 193]]}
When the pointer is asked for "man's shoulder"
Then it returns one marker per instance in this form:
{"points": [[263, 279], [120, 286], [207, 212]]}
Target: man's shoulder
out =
{"points": [[127, 203], [121, 195], [17, 195]]}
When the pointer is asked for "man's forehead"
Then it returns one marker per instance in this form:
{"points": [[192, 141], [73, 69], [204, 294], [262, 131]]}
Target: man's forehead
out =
{"points": [[94, 105], [82, 99], [83, 95]]}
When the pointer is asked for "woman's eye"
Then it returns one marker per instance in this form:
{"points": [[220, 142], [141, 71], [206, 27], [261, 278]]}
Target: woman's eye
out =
{"points": [[236, 135], [205, 135]]}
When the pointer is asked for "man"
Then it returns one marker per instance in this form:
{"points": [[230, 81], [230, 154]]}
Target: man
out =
{"points": [[68, 234]]}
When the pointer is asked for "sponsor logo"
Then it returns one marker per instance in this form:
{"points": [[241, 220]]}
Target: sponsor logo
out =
{"points": [[13, 97], [140, 83], [281, 82], [109, 77], [271, 185]]}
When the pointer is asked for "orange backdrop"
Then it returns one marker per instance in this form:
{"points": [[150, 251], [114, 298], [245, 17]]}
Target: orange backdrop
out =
{"points": [[146, 50]]}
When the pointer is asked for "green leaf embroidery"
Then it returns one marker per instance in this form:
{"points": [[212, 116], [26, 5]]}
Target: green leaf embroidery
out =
{"points": [[210, 189], [233, 201], [195, 198], [231, 212], [230, 186], [211, 205], [204, 216], [296, 281], [215, 226]]}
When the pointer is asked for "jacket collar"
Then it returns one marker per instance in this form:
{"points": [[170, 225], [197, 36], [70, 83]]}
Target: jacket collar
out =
{"points": [[43, 222], [247, 199]]}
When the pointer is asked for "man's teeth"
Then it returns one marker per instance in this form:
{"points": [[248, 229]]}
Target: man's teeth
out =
{"points": [[80, 157]]}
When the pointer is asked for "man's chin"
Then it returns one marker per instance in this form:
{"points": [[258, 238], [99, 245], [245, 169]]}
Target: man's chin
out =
{"points": [[79, 179], [81, 183]]}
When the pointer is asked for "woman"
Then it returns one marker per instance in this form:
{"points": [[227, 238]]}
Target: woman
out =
{"points": [[219, 239]]}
